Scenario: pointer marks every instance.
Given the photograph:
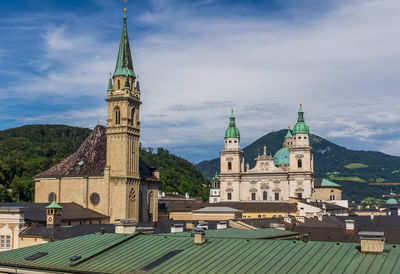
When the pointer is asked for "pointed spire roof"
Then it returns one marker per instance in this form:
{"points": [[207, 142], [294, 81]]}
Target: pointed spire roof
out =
{"points": [[289, 133], [124, 61], [137, 87], [54, 204], [110, 85]]}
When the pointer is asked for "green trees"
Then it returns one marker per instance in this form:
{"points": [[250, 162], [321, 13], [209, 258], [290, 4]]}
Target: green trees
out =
{"points": [[29, 150], [177, 174]]}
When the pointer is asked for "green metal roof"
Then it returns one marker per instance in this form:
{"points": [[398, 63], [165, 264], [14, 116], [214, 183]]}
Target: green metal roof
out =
{"points": [[281, 157], [216, 177], [327, 183], [288, 134], [392, 201], [232, 131], [124, 64], [54, 204], [236, 233], [110, 85], [300, 126], [222, 209], [116, 253]]}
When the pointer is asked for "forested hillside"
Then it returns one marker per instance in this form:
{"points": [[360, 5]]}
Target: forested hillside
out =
{"points": [[29, 150], [352, 169]]}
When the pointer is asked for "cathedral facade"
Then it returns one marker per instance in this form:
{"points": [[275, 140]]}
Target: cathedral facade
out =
{"points": [[106, 174], [286, 175]]}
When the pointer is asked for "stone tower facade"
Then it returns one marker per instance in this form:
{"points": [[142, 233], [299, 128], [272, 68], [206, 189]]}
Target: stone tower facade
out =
{"points": [[129, 198], [231, 165]]}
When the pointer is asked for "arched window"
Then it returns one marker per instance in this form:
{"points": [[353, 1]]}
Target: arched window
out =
{"points": [[265, 196], [299, 163], [253, 196], [132, 116], [229, 166], [229, 196], [117, 116], [332, 197], [276, 196], [119, 84]]}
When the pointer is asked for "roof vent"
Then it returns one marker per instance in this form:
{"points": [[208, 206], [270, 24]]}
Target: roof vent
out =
{"points": [[74, 258], [176, 228], [372, 242], [36, 256], [287, 220], [350, 224], [222, 225]]}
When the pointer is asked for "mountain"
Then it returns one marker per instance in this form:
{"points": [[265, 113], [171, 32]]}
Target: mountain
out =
{"points": [[350, 168], [29, 150]]}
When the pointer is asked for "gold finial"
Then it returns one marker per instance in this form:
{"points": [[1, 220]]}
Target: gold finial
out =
{"points": [[232, 109], [288, 126], [301, 103], [265, 150]]}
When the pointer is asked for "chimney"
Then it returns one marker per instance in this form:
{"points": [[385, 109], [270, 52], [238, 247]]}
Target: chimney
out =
{"points": [[125, 226], [176, 228], [222, 225], [300, 219], [287, 220], [199, 235], [350, 224], [372, 242]]}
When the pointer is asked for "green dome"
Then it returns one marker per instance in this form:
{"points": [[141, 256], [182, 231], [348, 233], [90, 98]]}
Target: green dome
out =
{"points": [[300, 126], [392, 201], [216, 177], [281, 157], [232, 131]]}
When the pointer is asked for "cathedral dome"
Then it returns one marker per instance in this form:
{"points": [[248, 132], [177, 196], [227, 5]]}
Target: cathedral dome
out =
{"points": [[300, 126], [281, 157], [392, 201], [232, 131]]}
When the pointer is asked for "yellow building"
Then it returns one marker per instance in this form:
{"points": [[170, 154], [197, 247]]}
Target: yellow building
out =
{"points": [[105, 174]]}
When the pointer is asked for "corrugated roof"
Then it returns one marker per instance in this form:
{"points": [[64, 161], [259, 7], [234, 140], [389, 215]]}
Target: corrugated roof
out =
{"points": [[218, 209], [235, 233], [116, 253]]}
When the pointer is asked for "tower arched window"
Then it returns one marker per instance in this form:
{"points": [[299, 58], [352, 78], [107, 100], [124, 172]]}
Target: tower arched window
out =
{"points": [[265, 196], [119, 84], [229, 165], [332, 197], [132, 116], [117, 116], [299, 163]]}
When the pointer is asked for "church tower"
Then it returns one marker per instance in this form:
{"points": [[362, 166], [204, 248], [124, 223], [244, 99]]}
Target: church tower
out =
{"points": [[123, 131], [232, 164], [301, 166]]}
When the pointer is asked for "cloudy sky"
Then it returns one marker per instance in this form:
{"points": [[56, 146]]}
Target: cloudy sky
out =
{"points": [[196, 59]]}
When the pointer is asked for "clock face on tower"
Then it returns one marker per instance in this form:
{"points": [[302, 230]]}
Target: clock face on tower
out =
{"points": [[50, 219]]}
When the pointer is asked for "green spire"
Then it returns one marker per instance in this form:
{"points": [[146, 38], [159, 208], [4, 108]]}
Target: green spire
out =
{"points": [[110, 85], [300, 126], [54, 204], [289, 133], [124, 61], [137, 88], [127, 86], [232, 131]]}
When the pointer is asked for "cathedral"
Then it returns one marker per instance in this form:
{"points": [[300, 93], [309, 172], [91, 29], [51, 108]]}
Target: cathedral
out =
{"points": [[288, 174], [106, 174]]}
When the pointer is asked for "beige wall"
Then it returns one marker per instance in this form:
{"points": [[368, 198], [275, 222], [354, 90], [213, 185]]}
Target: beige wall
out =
{"points": [[324, 193], [29, 241]]}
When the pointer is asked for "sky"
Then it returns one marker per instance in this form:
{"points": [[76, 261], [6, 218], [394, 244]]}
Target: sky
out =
{"points": [[197, 59]]}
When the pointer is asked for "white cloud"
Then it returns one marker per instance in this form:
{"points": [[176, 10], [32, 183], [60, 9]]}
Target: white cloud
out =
{"points": [[343, 66]]}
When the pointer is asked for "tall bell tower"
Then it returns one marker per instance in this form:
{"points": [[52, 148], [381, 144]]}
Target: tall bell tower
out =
{"points": [[123, 131]]}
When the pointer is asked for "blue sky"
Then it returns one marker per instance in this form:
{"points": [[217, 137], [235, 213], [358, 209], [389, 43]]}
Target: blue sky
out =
{"points": [[195, 59]]}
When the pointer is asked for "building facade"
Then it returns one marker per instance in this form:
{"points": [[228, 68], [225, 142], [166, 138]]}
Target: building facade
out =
{"points": [[288, 174], [105, 174]]}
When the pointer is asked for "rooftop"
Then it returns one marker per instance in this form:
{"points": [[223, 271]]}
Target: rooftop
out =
{"points": [[219, 209], [112, 253]]}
